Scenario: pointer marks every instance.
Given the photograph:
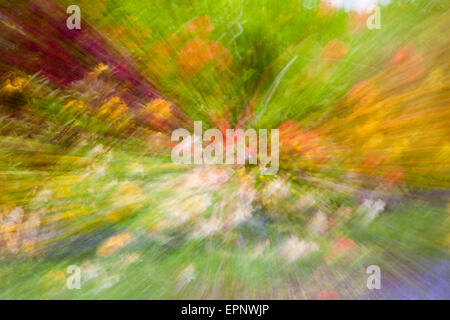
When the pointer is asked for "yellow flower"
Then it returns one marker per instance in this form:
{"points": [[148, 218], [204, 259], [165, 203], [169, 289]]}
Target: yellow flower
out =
{"points": [[114, 243], [75, 107], [160, 107], [52, 278], [100, 68], [16, 84], [113, 109]]}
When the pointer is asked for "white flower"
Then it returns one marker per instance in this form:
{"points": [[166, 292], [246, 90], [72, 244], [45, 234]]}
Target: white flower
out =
{"points": [[319, 223], [100, 169], [15, 216], [186, 275], [83, 143], [188, 208], [355, 5], [44, 195], [109, 282], [90, 271], [209, 227], [31, 226], [216, 176], [98, 149], [276, 190], [370, 209], [259, 249], [294, 249], [137, 168], [242, 213]]}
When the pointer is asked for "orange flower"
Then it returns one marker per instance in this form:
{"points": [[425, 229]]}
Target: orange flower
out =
{"points": [[358, 21], [196, 53], [221, 55], [403, 55], [335, 50], [326, 9], [294, 140], [201, 26], [408, 63], [193, 56], [393, 176], [363, 92], [372, 161]]}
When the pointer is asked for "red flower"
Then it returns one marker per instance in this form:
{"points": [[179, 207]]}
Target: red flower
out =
{"points": [[342, 248], [328, 295]]}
